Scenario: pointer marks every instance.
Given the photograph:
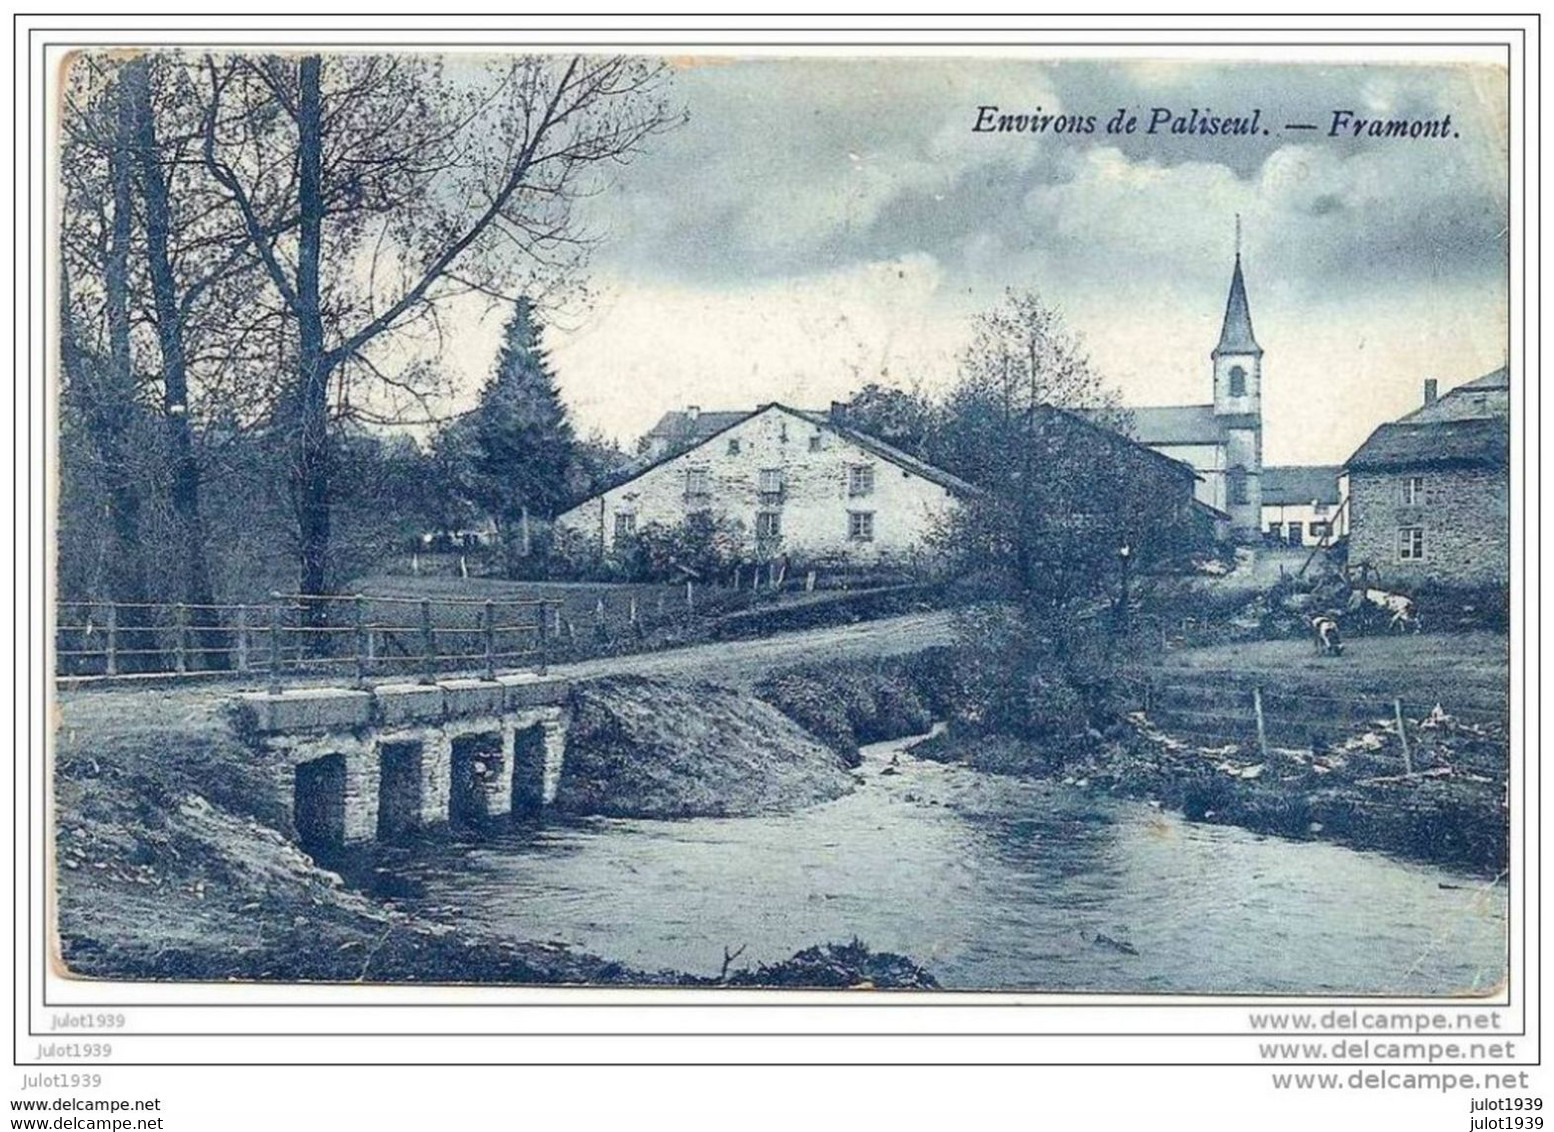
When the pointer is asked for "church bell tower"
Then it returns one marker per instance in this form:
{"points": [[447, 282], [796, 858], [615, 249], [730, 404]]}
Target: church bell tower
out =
{"points": [[1238, 408]]}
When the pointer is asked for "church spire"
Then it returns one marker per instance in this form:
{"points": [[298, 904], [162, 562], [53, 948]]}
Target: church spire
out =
{"points": [[1235, 337]]}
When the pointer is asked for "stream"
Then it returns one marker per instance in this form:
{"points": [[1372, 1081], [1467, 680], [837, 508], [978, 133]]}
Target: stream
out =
{"points": [[990, 882]]}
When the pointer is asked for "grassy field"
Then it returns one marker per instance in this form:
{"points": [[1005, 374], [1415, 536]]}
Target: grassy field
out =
{"points": [[1470, 670]]}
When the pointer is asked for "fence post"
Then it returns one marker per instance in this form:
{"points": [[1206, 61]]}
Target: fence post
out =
{"points": [[240, 632], [275, 644], [1397, 714], [488, 623], [180, 635], [809, 582], [690, 602], [428, 643], [544, 643], [1262, 731], [361, 641], [111, 659]]}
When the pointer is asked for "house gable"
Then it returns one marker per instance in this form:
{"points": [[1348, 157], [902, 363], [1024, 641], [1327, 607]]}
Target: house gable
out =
{"points": [[789, 479]]}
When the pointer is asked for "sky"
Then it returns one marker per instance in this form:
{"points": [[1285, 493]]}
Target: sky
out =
{"points": [[820, 223]]}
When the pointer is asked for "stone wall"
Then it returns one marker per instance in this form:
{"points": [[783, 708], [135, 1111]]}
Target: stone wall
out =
{"points": [[1465, 515]]}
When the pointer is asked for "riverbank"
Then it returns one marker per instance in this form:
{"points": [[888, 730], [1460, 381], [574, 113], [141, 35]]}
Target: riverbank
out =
{"points": [[1450, 811], [169, 863]]}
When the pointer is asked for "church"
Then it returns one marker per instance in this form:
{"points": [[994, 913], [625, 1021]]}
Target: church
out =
{"points": [[1222, 441]]}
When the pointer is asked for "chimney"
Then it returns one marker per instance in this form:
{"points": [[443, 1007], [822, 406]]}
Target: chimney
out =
{"points": [[1431, 385], [692, 412]]}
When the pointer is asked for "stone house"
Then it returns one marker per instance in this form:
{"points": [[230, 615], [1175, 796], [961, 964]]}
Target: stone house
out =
{"points": [[799, 483], [1429, 494]]}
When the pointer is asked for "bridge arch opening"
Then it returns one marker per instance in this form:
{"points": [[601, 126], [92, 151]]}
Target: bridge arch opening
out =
{"points": [[476, 774], [400, 780], [528, 769], [318, 807]]}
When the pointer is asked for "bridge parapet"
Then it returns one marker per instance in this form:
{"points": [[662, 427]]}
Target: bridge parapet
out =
{"points": [[380, 763]]}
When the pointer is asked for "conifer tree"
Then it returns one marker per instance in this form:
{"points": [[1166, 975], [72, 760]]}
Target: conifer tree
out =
{"points": [[514, 451]]}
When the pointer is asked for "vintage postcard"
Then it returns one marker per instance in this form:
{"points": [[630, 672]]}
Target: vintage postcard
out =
{"points": [[964, 521]]}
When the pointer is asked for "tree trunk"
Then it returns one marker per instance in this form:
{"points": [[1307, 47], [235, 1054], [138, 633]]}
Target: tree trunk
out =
{"points": [[310, 470], [184, 471], [113, 401]]}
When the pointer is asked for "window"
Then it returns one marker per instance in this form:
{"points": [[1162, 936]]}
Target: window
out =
{"points": [[814, 443], [860, 526], [771, 486], [1318, 529], [1411, 490], [1411, 544], [698, 487], [1237, 381], [768, 524], [1296, 534], [625, 524], [1235, 481], [860, 480], [733, 446]]}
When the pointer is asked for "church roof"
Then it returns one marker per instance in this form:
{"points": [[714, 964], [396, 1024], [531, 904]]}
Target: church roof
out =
{"points": [[1235, 336], [1174, 424], [1297, 484]]}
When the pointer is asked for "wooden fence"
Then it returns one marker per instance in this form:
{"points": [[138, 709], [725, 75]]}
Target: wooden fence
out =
{"points": [[301, 634], [1259, 716]]}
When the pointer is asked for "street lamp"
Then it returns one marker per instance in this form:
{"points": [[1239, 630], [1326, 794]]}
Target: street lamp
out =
{"points": [[1124, 556]]}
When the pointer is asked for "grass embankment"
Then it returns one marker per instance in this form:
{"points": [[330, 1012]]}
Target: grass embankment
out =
{"points": [[649, 748], [170, 864]]}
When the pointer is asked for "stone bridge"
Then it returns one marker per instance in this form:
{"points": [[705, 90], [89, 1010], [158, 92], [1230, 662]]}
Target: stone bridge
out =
{"points": [[380, 763]]}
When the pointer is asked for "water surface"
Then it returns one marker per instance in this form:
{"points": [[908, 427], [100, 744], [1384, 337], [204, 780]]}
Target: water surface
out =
{"points": [[988, 881]]}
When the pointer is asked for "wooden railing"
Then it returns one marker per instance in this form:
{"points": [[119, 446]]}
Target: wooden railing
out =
{"points": [[303, 634]]}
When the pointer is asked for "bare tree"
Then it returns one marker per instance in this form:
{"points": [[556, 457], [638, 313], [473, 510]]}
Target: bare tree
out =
{"points": [[96, 361], [172, 302], [376, 188], [1070, 503]]}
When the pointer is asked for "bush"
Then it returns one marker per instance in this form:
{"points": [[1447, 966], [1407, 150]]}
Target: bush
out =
{"points": [[845, 705], [702, 543], [1013, 680]]}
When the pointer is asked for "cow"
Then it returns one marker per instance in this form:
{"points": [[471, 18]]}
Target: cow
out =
{"points": [[1401, 611], [1324, 632]]}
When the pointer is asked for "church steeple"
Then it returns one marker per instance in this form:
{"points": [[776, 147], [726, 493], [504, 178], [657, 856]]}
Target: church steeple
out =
{"points": [[1235, 336], [1238, 407]]}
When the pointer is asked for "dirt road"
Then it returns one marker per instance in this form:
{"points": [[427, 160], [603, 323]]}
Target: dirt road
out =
{"points": [[740, 662], [725, 662]]}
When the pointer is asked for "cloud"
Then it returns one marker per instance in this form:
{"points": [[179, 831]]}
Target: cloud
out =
{"points": [[652, 346], [821, 221]]}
